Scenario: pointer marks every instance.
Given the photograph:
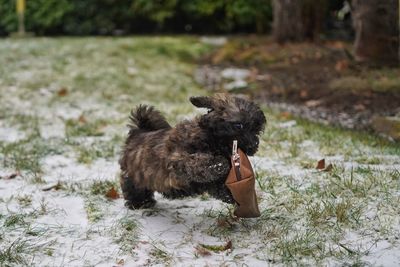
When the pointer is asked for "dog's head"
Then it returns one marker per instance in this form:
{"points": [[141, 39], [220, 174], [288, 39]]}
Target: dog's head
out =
{"points": [[232, 118]]}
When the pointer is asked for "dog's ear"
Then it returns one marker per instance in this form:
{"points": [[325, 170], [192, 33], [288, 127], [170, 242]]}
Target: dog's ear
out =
{"points": [[202, 101]]}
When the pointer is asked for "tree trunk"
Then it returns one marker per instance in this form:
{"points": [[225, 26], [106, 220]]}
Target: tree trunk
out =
{"points": [[377, 31], [287, 22], [296, 20]]}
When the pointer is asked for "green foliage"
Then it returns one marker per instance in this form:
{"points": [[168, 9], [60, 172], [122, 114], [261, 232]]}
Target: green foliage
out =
{"points": [[227, 16], [157, 11], [99, 17], [88, 17], [42, 16]]}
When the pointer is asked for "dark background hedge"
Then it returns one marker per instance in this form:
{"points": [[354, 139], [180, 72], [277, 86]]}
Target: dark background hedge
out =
{"points": [[118, 17]]}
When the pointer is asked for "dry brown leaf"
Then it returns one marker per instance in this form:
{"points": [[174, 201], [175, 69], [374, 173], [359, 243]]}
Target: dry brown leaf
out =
{"points": [[120, 262], [321, 164], [341, 65], [82, 119], [202, 251], [112, 193], [224, 223], [228, 245], [285, 115], [303, 93], [11, 176], [62, 92], [217, 248], [56, 186]]}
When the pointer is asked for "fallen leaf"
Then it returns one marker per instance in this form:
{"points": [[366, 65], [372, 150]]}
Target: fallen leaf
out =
{"points": [[228, 245], [56, 186], [303, 93], [121, 262], [62, 92], [218, 248], [285, 115], [341, 65], [224, 222], [202, 251], [112, 193], [82, 119], [321, 164], [11, 176]]}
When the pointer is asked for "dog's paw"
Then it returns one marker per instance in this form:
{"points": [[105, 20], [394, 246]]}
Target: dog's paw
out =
{"points": [[140, 205], [221, 192]]}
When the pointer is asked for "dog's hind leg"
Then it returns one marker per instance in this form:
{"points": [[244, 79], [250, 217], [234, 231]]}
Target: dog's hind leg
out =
{"points": [[136, 198]]}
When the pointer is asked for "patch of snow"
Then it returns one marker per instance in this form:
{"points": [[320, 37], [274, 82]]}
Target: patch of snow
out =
{"points": [[287, 124], [10, 135], [24, 75], [54, 130], [216, 41], [59, 168], [132, 71], [235, 73], [237, 84]]}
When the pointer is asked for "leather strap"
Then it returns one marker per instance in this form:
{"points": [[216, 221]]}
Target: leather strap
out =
{"points": [[236, 161]]}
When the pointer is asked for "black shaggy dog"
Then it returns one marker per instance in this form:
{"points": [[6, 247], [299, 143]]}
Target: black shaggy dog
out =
{"points": [[191, 158]]}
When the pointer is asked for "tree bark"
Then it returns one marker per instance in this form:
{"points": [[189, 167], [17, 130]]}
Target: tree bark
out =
{"points": [[377, 31], [296, 20], [287, 21]]}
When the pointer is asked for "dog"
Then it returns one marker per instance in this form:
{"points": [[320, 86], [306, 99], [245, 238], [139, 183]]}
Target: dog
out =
{"points": [[191, 158]]}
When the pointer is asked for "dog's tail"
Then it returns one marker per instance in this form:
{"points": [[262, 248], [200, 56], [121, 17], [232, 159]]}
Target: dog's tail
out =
{"points": [[148, 119]]}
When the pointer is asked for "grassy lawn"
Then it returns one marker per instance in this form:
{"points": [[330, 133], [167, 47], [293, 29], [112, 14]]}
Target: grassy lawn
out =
{"points": [[64, 105]]}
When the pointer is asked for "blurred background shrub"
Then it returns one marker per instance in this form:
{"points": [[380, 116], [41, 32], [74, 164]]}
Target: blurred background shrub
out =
{"points": [[116, 17], [120, 17]]}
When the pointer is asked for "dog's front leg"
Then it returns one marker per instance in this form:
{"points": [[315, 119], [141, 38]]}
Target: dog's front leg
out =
{"points": [[200, 167]]}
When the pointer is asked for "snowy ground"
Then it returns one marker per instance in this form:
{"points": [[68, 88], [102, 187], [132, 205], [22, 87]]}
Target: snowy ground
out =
{"points": [[64, 105]]}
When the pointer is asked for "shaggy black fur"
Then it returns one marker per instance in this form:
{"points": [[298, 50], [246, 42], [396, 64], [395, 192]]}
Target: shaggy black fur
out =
{"points": [[191, 158]]}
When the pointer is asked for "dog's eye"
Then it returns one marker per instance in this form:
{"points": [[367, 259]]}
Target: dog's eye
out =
{"points": [[238, 126], [210, 110]]}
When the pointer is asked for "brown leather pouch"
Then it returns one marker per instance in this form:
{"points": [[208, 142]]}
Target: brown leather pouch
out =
{"points": [[241, 183]]}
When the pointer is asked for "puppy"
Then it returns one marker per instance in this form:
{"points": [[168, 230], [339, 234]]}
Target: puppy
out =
{"points": [[191, 158]]}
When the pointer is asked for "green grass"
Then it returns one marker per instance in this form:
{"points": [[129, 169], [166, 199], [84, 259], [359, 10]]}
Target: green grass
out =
{"points": [[25, 154], [94, 209], [357, 145], [126, 232], [306, 214], [379, 80], [159, 255], [99, 149], [83, 128], [103, 187], [13, 220]]}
